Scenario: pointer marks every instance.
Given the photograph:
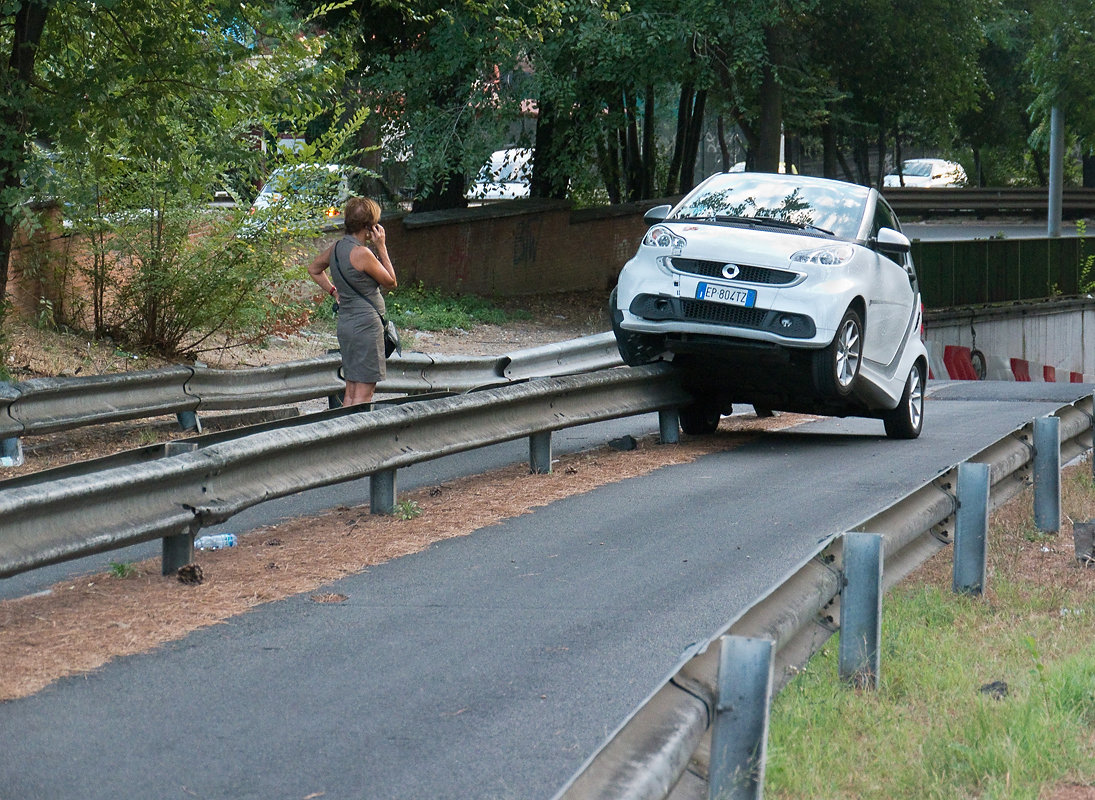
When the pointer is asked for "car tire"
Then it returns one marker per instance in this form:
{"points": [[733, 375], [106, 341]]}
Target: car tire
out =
{"points": [[635, 349], [907, 420], [836, 367], [700, 417]]}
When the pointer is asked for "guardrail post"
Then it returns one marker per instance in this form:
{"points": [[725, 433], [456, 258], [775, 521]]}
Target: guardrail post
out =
{"points": [[178, 551], [539, 452], [11, 451], [739, 738], [971, 523], [382, 492], [188, 421], [669, 426], [861, 610], [1047, 474]]}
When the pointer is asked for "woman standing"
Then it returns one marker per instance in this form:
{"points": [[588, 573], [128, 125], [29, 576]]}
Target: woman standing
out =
{"points": [[357, 276]]}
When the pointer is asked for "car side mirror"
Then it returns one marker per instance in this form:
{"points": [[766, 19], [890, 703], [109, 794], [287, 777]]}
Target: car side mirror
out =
{"points": [[892, 242], [656, 214]]}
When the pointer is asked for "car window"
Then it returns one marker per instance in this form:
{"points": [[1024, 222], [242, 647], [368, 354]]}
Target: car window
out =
{"points": [[918, 169], [884, 217], [837, 208]]}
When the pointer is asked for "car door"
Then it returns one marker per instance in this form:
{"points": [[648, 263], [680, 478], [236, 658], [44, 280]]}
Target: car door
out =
{"points": [[892, 295]]}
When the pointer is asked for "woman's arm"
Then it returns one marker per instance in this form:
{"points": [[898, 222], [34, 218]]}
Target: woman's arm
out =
{"points": [[317, 269], [379, 265]]}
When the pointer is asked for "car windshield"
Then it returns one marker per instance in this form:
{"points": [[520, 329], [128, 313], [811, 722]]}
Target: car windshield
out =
{"points": [[918, 169], [758, 198]]}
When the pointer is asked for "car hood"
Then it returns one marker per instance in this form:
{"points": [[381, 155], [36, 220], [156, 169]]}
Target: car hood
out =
{"points": [[734, 243]]}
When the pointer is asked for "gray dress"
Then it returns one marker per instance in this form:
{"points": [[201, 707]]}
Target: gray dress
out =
{"points": [[360, 332]]}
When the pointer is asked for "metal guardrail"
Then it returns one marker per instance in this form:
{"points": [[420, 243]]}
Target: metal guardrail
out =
{"points": [[47, 405], [912, 201], [664, 749], [175, 496]]}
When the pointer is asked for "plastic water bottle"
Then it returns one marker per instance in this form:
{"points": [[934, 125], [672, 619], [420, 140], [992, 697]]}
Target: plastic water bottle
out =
{"points": [[215, 541]]}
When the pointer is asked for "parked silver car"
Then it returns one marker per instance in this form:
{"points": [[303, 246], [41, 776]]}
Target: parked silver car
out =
{"points": [[781, 291]]}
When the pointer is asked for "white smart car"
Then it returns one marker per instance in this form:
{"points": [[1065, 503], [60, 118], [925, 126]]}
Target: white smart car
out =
{"points": [[781, 291]]}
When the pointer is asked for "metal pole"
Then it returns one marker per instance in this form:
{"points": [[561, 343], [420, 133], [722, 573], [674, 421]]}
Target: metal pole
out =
{"points": [[188, 421], [382, 492], [861, 610], [539, 452], [1056, 169], [1047, 474], [176, 551], [11, 452], [739, 737], [971, 529], [669, 426]]}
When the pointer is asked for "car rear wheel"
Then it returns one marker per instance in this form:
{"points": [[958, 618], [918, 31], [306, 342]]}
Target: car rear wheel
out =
{"points": [[701, 417], [907, 420], [836, 367], [635, 349]]}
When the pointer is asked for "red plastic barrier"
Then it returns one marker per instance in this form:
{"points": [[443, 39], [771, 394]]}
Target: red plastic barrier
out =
{"points": [[1020, 368], [958, 362], [1076, 377], [1049, 373]]}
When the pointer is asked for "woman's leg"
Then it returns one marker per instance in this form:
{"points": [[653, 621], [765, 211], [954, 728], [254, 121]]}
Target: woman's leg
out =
{"points": [[357, 393]]}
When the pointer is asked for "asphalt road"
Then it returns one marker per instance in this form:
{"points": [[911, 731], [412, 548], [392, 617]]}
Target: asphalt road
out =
{"points": [[489, 666]]}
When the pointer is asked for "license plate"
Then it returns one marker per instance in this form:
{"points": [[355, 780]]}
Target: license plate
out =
{"points": [[726, 294]]}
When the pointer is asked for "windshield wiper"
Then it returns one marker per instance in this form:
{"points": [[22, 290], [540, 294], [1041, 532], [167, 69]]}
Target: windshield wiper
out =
{"points": [[771, 222]]}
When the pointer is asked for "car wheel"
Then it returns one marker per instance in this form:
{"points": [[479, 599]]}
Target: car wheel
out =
{"points": [[635, 349], [836, 367], [700, 417], [907, 420]]}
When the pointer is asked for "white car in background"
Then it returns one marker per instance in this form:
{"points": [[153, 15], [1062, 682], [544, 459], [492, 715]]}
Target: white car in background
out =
{"points": [[506, 175], [928, 173], [780, 291]]}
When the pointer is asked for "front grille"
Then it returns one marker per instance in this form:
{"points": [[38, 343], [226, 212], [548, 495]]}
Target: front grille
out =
{"points": [[746, 273], [722, 314]]}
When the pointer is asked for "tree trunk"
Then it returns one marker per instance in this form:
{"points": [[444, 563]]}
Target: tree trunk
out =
{"points": [[1088, 180], [684, 112], [829, 150], [692, 142], [650, 151], [26, 34], [770, 121], [724, 149]]}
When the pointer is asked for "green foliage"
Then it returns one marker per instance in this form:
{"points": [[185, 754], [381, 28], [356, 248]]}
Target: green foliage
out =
{"points": [[5, 309], [123, 569], [426, 309], [1087, 260], [408, 509]]}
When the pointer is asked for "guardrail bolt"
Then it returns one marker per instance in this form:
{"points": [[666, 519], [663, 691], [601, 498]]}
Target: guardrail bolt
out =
{"points": [[971, 529], [739, 737], [1047, 474], [861, 610]]}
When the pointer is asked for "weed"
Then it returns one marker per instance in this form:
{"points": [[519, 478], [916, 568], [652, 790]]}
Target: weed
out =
{"points": [[1087, 260], [123, 569], [408, 509], [431, 310]]}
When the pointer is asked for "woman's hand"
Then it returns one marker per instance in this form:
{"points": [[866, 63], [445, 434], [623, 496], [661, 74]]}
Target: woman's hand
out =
{"points": [[377, 234]]}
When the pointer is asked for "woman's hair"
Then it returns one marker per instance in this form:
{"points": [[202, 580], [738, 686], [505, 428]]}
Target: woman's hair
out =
{"points": [[361, 213]]}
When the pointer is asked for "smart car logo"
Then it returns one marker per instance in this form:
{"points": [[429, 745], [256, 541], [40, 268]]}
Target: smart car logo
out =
{"points": [[730, 271]]}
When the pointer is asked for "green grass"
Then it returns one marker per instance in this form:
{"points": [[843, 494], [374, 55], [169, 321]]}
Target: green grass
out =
{"points": [[432, 310], [929, 731]]}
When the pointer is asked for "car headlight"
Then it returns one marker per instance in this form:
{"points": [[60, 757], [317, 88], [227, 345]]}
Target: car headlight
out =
{"points": [[661, 236], [829, 256]]}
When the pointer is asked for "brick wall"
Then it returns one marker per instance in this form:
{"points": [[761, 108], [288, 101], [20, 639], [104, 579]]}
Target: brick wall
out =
{"points": [[502, 249]]}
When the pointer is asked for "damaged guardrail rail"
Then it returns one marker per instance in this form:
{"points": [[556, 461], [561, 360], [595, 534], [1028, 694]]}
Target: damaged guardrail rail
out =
{"points": [[703, 732], [48, 405], [175, 496]]}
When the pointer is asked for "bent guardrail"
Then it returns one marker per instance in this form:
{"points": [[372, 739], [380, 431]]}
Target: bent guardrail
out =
{"points": [[664, 749], [48, 405], [175, 496]]}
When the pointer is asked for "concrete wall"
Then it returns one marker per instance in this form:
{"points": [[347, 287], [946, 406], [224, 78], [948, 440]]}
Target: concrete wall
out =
{"points": [[1057, 333]]}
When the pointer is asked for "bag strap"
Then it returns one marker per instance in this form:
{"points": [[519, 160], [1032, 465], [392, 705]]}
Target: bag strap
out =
{"points": [[358, 292]]}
